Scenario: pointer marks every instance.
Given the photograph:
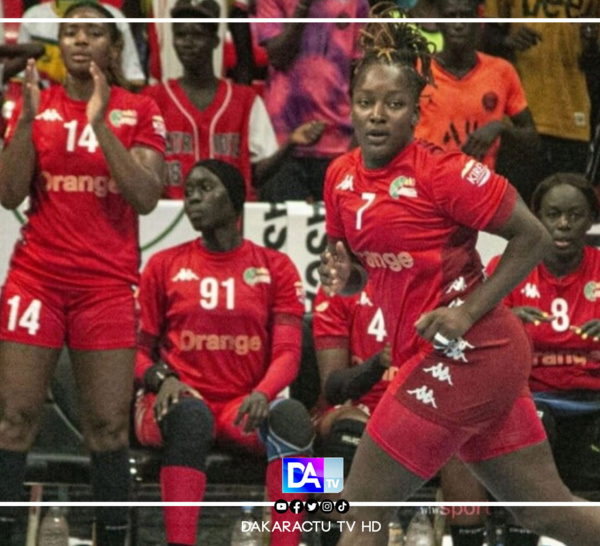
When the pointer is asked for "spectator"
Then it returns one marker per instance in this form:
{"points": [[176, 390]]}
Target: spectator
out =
{"points": [[408, 216], [210, 117], [464, 108], [308, 79], [547, 56], [88, 156], [164, 64], [223, 358], [354, 367], [51, 66]]}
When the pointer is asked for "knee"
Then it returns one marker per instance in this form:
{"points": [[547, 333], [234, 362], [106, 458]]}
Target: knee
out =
{"points": [[187, 431], [342, 440], [541, 520], [106, 431], [18, 425], [288, 430]]}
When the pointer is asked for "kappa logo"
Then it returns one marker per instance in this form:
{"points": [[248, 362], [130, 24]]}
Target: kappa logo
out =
{"points": [[50, 114], [185, 274], [456, 349], [456, 302], [441, 372], [459, 285], [346, 184], [425, 395], [530, 290], [476, 173], [364, 300]]}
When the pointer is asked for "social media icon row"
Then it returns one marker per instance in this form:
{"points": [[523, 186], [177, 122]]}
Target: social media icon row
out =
{"points": [[296, 506]]}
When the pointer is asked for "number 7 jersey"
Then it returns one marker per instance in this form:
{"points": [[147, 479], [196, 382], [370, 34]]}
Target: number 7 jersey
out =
{"points": [[80, 231]]}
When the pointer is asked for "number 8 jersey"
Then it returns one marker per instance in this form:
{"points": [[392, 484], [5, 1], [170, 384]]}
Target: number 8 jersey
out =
{"points": [[80, 231], [562, 359]]}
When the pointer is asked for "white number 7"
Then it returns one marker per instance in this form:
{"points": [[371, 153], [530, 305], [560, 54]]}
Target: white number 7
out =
{"points": [[369, 198]]}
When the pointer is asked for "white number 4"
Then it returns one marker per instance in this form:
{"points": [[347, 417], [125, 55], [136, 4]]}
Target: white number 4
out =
{"points": [[30, 319]]}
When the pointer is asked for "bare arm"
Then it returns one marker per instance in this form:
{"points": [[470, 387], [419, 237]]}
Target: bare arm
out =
{"points": [[139, 172], [19, 157], [242, 40], [14, 57]]}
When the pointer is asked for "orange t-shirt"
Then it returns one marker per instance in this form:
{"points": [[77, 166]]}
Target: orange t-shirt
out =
{"points": [[455, 107]]}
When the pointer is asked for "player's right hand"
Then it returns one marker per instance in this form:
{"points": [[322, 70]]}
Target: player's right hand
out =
{"points": [[335, 269], [169, 394], [31, 92], [532, 315], [523, 39]]}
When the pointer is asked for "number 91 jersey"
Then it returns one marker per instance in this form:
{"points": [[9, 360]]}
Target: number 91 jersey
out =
{"points": [[562, 359], [81, 232], [214, 312]]}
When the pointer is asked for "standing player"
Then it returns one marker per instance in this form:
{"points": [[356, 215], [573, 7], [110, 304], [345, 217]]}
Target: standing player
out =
{"points": [[354, 368], [464, 109], [225, 318], [213, 118], [410, 215], [88, 156]]}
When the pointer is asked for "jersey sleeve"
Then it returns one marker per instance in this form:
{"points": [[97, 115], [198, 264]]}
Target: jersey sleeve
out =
{"points": [[469, 192], [288, 298], [331, 321], [151, 131], [152, 297], [262, 139]]}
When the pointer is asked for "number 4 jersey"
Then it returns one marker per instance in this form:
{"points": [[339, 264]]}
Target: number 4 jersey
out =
{"points": [[562, 359], [81, 232]]}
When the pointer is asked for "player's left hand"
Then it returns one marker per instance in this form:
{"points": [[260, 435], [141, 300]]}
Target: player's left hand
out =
{"points": [[96, 106], [451, 323], [480, 141], [256, 408], [591, 329]]}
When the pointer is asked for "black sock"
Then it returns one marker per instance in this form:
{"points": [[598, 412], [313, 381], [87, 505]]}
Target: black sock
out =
{"points": [[111, 483], [12, 470], [517, 536], [331, 537], [467, 535]]}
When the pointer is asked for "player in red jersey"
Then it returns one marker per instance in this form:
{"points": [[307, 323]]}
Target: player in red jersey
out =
{"points": [[354, 368], [89, 157], [225, 317], [559, 304], [213, 118], [409, 214]]}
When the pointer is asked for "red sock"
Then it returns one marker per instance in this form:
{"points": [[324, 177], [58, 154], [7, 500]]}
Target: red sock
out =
{"points": [[181, 484], [274, 491]]}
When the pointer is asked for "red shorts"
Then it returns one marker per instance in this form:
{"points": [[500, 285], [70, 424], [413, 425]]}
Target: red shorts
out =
{"points": [[225, 432], [424, 447], [46, 315]]}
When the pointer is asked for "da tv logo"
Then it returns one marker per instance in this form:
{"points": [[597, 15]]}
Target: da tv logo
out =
{"points": [[313, 475]]}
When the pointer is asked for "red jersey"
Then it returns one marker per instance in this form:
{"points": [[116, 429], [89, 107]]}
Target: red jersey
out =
{"points": [[356, 324], [213, 313], [81, 232], [221, 131], [562, 360], [455, 107]]}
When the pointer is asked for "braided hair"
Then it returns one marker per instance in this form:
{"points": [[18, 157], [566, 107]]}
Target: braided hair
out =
{"points": [[114, 72], [394, 44]]}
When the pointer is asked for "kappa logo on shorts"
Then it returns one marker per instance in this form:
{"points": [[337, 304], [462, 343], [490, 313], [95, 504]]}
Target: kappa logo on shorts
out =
{"points": [[456, 349], [441, 372], [425, 395], [458, 285]]}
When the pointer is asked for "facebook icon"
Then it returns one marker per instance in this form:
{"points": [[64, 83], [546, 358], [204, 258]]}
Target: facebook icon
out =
{"points": [[313, 474]]}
